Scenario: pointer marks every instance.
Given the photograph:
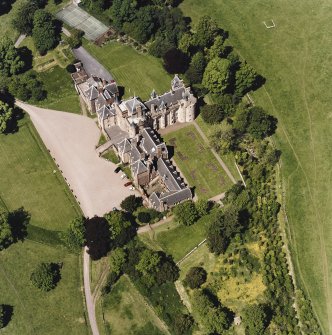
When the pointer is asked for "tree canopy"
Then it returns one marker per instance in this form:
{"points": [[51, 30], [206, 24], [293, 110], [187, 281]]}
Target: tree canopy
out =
{"points": [[255, 320], [6, 115], [22, 19], [117, 258], [6, 236], [196, 68], [74, 237], [97, 237], [217, 74], [212, 114], [11, 62], [206, 31], [195, 277], [186, 213], [45, 276], [45, 33], [245, 79], [131, 203]]}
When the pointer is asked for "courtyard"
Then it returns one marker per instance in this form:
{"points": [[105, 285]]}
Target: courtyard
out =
{"points": [[197, 163], [71, 140]]}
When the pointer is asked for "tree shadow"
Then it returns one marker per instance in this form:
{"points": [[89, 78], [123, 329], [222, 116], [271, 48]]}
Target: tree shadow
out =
{"points": [[121, 91], [8, 314], [6, 6], [26, 55], [56, 267], [18, 221]]}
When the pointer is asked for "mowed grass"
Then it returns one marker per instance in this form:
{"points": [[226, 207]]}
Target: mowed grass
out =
{"points": [[196, 161], [125, 311], [176, 239], [27, 179], [138, 73], [295, 58]]}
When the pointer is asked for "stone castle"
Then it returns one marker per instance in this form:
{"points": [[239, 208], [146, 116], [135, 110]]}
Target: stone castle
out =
{"points": [[131, 126]]}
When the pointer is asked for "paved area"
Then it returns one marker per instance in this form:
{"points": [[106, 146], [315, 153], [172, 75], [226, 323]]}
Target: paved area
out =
{"points": [[91, 65], [19, 40], [71, 140], [78, 18]]}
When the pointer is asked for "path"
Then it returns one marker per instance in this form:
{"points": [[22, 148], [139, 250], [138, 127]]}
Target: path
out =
{"points": [[220, 161], [19, 40]]}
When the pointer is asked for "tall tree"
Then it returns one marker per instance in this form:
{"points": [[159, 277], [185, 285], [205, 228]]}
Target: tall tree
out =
{"points": [[6, 115], [186, 213], [216, 76], [45, 276], [23, 17], [74, 236], [196, 68], [217, 49], [97, 237], [255, 320], [206, 31], [245, 79], [10, 60], [123, 11], [44, 33]]}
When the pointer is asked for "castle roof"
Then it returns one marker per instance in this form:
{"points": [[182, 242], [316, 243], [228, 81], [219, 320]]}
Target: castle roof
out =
{"points": [[138, 168], [91, 93], [104, 112], [169, 198], [131, 104], [112, 88], [169, 175], [151, 142]]}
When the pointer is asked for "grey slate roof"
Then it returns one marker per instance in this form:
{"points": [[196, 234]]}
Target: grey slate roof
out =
{"points": [[124, 146], [134, 155], [131, 104], [170, 198], [138, 167], [91, 93], [171, 178], [168, 98], [151, 142], [112, 88], [104, 112], [154, 200]]}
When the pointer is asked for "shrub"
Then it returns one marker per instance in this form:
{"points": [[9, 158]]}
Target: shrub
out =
{"points": [[46, 276], [195, 277]]}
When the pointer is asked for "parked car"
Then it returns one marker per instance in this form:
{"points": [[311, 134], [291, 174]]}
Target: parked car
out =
{"points": [[128, 183], [117, 170], [123, 176], [132, 188], [115, 209]]}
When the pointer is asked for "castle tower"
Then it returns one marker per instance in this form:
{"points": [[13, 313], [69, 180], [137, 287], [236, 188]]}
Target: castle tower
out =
{"points": [[162, 121], [190, 112], [132, 130], [182, 112]]}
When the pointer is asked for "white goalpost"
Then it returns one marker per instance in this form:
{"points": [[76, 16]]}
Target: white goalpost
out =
{"points": [[269, 24]]}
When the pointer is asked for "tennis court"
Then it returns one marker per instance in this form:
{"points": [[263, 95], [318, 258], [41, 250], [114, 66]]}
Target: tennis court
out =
{"points": [[77, 18]]}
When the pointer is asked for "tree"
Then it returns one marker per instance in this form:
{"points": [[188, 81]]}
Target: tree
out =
{"points": [[144, 217], [11, 62], [223, 138], [148, 262], [245, 79], [255, 320], [167, 270], [74, 236], [202, 207], [75, 40], [131, 203], [212, 114], [217, 50], [45, 276], [206, 31], [214, 317], [195, 277], [6, 312], [183, 323], [186, 43], [97, 237], [186, 213], [27, 86], [22, 19], [121, 230], [175, 61], [196, 68], [6, 236], [216, 75], [123, 11], [117, 258], [216, 241], [261, 124], [6, 115], [44, 33]]}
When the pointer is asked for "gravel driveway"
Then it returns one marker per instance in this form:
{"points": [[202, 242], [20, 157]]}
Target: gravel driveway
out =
{"points": [[71, 139], [91, 65]]}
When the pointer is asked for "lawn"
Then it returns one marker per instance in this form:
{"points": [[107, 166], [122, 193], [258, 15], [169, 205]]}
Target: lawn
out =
{"points": [[295, 59], [196, 161], [175, 239], [29, 178], [61, 94], [125, 311], [138, 73]]}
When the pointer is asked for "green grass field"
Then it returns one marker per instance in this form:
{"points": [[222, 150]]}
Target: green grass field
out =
{"points": [[197, 163], [138, 73], [175, 239], [27, 179], [125, 312], [295, 59]]}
